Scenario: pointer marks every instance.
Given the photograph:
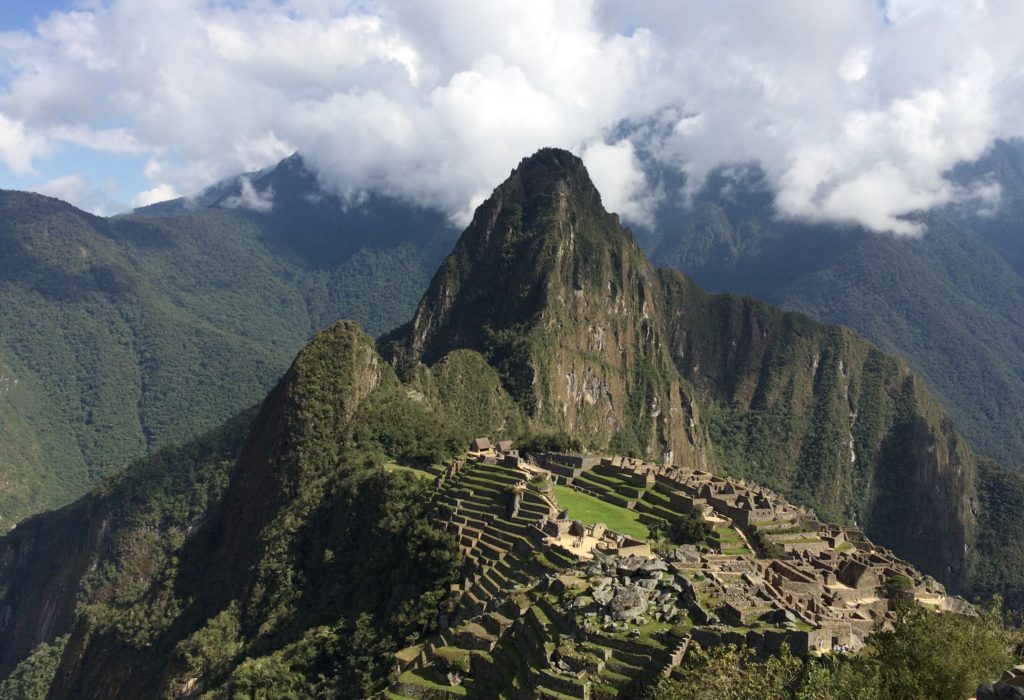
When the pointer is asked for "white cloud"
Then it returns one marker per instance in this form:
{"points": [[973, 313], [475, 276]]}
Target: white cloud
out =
{"points": [[18, 147], [617, 174], [76, 190], [160, 193], [250, 198], [855, 110]]}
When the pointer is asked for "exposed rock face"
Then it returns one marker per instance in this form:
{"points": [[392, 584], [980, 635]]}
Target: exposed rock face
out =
{"points": [[589, 338], [559, 298], [628, 603]]}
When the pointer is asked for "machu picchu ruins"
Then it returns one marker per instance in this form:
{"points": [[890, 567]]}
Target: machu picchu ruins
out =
{"points": [[571, 589]]}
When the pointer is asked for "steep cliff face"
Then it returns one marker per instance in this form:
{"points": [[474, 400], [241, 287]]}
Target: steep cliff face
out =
{"points": [[561, 301], [284, 565], [590, 338], [108, 544], [820, 414]]}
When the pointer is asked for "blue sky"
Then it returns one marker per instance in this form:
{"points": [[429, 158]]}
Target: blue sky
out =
{"points": [[20, 14], [111, 180], [856, 110]]}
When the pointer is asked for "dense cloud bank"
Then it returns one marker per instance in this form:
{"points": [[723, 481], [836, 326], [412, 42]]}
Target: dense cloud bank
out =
{"points": [[855, 109]]}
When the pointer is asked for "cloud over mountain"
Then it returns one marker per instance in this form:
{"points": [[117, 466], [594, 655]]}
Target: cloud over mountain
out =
{"points": [[855, 109]]}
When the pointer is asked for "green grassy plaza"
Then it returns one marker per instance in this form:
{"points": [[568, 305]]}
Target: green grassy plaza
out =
{"points": [[591, 510]]}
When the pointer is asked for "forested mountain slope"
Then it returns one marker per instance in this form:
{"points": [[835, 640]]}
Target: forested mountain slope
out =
{"points": [[126, 334], [951, 302]]}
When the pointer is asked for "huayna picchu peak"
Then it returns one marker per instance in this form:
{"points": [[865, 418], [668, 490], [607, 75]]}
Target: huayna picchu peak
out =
{"points": [[593, 341], [731, 472], [560, 300]]}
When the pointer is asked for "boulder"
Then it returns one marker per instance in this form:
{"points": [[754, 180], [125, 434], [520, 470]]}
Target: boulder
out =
{"points": [[603, 596], [653, 566], [999, 691], [628, 566], [688, 553], [628, 603]]}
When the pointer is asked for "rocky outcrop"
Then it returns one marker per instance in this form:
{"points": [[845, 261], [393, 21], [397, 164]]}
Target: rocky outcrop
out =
{"points": [[1009, 687], [590, 339]]}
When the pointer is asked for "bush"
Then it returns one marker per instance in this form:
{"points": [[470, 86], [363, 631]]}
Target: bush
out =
{"points": [[451, 659], [769, 549], [894, 585], [550, 442], [690, 529]]}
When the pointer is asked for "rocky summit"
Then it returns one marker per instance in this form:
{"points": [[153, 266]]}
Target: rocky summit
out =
{"points": [[591, 340]]}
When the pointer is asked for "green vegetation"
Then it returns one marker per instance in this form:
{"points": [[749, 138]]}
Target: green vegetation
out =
{"points": [[107, 546], [550, 442], [950, 302], [925, 656], [128, 334], [813, 411], [321, 518], [32, 678], [414, 471], [1000, 537], [592, 510], [894, 585], [768, 548], [303, 567]]}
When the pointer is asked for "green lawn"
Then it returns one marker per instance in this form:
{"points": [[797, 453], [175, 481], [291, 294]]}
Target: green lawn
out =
{"points": [[731, 551], [724, 533], [591, 510], [396, 467], [431, 679]]}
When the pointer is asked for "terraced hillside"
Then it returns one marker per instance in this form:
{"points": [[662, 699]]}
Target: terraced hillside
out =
{"points": [[553, 604]]}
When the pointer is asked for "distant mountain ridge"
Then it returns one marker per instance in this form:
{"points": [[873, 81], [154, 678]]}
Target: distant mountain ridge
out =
{"points": [[126, 334], [951, 302]]}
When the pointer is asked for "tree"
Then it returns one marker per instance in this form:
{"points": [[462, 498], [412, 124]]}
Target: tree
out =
{"points": [[928, 655], [689, 529], [730, 673]]}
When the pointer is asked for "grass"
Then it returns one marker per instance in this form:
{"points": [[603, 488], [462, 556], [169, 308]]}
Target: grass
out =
{"points": [[731, 551], [430, 678], [396, 467], [591, 510]]}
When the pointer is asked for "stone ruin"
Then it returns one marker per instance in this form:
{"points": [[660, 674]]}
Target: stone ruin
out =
{"points": [[539, 579]]}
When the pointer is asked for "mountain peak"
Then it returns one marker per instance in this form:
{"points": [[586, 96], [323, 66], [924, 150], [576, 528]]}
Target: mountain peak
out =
{"points": [[541, 230], [550, 288], [552, 163]]}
